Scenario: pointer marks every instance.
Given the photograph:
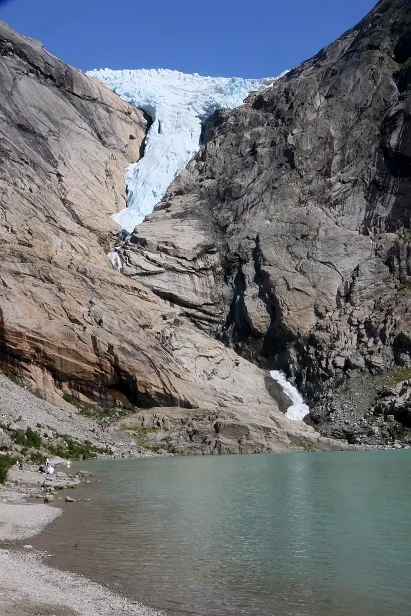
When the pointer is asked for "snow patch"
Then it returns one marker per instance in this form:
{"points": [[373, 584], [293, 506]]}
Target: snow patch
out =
{"points": [[298, 410], [115, 260], [178, 104]]}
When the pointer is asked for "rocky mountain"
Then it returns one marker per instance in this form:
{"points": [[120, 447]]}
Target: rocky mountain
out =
{"points": [[71, 327], [284, 244], [288, 236]]}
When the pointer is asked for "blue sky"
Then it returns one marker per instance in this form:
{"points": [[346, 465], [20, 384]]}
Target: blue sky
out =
{"points": [[246, 38]]}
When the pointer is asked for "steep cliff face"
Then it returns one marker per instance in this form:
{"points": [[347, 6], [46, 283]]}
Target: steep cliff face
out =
{"points": [[288, 236], [70, 325]]}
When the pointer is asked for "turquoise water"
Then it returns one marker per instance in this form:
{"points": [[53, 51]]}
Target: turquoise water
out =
{"points": [[325, 534]]}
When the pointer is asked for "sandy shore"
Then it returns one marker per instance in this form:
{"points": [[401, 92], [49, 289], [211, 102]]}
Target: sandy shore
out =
{"points": [[28, 586]]}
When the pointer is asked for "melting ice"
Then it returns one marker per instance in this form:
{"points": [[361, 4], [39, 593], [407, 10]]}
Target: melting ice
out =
{"points": [[298, 410], [178, 104]]}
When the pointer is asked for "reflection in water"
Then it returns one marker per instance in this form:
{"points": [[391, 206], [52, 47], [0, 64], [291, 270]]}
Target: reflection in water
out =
{"points": [[295, 535]]}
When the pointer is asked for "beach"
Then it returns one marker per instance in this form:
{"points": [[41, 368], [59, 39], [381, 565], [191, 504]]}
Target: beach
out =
{"points": [[28, 586]]}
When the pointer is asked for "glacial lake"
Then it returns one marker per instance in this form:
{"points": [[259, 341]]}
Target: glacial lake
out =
{"points": [[309, 534]]}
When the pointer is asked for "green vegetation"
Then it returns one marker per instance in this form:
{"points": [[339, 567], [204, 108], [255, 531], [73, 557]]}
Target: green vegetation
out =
{"points": [[74, 450], [13, 377], [302, 445], [35, 456], [6, 462], [34, 448], [72, 400], [398, 375], [405, 285], [105, 415], [140, 430], [28, 439], [139, 437], [404, 238]]}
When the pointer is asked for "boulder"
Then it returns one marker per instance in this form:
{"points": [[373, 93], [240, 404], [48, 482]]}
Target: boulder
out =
{"points": [[6, 442]]}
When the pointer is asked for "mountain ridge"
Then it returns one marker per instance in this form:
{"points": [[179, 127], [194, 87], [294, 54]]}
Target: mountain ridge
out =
{"points": [[268, 250], [302, 196], [71, 327]]}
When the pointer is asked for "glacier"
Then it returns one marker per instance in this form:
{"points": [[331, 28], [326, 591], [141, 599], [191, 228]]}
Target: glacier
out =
{"points": [[178, 104], [298, 410]]}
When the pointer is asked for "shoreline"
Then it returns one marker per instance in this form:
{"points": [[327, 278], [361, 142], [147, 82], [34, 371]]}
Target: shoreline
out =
{"points": [[47, 590], [28, 585]]}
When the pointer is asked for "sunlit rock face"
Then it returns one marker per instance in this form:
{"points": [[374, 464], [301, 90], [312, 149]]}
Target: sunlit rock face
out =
{"points": [[71, 326]]}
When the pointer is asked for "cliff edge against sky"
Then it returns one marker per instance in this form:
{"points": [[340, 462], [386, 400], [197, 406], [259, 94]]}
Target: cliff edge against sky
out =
{"points": [[284, 244], [71, 326], [297, 212]]}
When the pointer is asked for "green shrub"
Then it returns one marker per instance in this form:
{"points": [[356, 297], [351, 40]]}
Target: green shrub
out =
{"points": [[74, 450], [28, 439], [6, 462], [33, 439]]}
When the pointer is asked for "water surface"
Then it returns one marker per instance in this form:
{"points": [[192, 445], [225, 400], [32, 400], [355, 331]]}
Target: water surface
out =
{"points": [[325, 534]]}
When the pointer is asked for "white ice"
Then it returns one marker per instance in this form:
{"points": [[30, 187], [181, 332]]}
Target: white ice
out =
{"points": [[178, 104], [115, 260], [298, 410]]}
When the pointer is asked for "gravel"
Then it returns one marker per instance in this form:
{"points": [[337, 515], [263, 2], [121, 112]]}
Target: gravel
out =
{"points": [[17, 404], [20, 409], [28, 587], [20, 521]]}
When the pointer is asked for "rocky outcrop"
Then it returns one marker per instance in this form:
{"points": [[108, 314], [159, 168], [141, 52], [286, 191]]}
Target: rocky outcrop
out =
{"points": [[208, 432], [287, 237], [70, 325]]}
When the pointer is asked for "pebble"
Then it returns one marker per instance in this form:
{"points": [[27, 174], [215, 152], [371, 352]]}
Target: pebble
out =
{"points": [[68, 499]]}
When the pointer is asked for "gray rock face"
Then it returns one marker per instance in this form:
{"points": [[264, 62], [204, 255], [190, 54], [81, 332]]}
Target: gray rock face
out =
{"points": [[288, 235], [5, 441], [71, 327]]}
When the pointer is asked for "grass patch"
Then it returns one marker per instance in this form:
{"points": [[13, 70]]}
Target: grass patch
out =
{"points": [[140, 430], [398, 375], [108, 414], [6, 462], [13, 377], [405, 285], [73, 401], [141, 442], [303, 446], [97, 412], [139, 438]]}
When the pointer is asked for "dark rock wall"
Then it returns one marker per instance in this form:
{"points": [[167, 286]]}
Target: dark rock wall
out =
{"points": [[302, 196]]}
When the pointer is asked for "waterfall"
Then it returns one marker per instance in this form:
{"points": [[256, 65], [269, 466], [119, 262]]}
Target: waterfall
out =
{"points": [[298, 410]]}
